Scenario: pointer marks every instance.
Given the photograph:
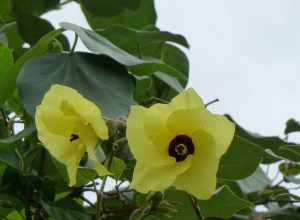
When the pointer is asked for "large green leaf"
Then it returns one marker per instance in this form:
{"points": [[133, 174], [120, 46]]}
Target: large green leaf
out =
{"points": [[143, 16], [66, 210], [254, 183], [98, 78], [6, 58], [137, 66], [241, 159], [139, 38], [8, 81], [223, 204], [266, 142]]}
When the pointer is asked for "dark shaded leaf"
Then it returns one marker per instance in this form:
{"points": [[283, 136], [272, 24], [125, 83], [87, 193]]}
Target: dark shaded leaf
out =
{"points": [[66, 210], [145, 15], [104, 8], [32, 28], [98, 78], [292, 126]]}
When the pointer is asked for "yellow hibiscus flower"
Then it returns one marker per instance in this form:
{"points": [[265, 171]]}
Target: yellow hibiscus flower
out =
{"points": [[69, 125], [178, 144]]}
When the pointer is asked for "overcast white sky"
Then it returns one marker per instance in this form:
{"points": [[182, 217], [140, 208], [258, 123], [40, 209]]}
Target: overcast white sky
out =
{"points": [[246, 53]]}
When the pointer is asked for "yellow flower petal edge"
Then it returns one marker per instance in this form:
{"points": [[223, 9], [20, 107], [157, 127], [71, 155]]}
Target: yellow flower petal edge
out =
{"points": [[178, 144], [69, 125]]}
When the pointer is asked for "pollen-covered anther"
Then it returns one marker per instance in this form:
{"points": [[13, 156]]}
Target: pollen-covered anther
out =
{"points": [[74, 137], [180, 147]]}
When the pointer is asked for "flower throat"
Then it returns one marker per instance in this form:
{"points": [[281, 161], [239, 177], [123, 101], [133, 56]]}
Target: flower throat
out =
{"points": [[180, 147]]}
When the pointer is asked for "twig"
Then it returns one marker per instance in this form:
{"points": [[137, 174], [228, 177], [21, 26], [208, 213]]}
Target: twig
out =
{"points": [[195, 205], [87, 201], [211, 102], [74, 44]]}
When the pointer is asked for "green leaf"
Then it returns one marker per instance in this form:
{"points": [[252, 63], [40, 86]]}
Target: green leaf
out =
{"points": [[183, 205], [66, 210], [117, 167], [98, 78], [85, 175], [137, 66], [243, 157], [291, 152], [32, 28], [289, 169], [254, 183], [8, 81], [272, 143], [104, 8], [145, 15], [12, 35], [5, 9], [8, 141], [139, 38], [15, 215], [6, 58], [292, 126], [223, 204], [12, 158], [35, 7], [9, 201]]}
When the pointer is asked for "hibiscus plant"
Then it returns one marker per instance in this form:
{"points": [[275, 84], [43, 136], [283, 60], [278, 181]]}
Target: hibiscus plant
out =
{"points": [[115, 133]]}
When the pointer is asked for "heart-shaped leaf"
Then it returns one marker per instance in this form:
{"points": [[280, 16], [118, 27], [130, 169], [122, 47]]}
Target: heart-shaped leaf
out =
{"points": [[98, 78]]}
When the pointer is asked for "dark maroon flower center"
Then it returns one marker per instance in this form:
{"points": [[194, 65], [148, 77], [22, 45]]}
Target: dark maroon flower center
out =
{"points": [[180, 147]]}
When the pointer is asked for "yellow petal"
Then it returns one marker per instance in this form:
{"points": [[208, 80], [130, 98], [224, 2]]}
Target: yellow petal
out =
{"points": [[62, 114], [200, 179], [72, 165], [185, 121], [58, 145], [221, 129], [148, 178], [187, 99], [141, 146], [156, 127], [73, 103]]}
